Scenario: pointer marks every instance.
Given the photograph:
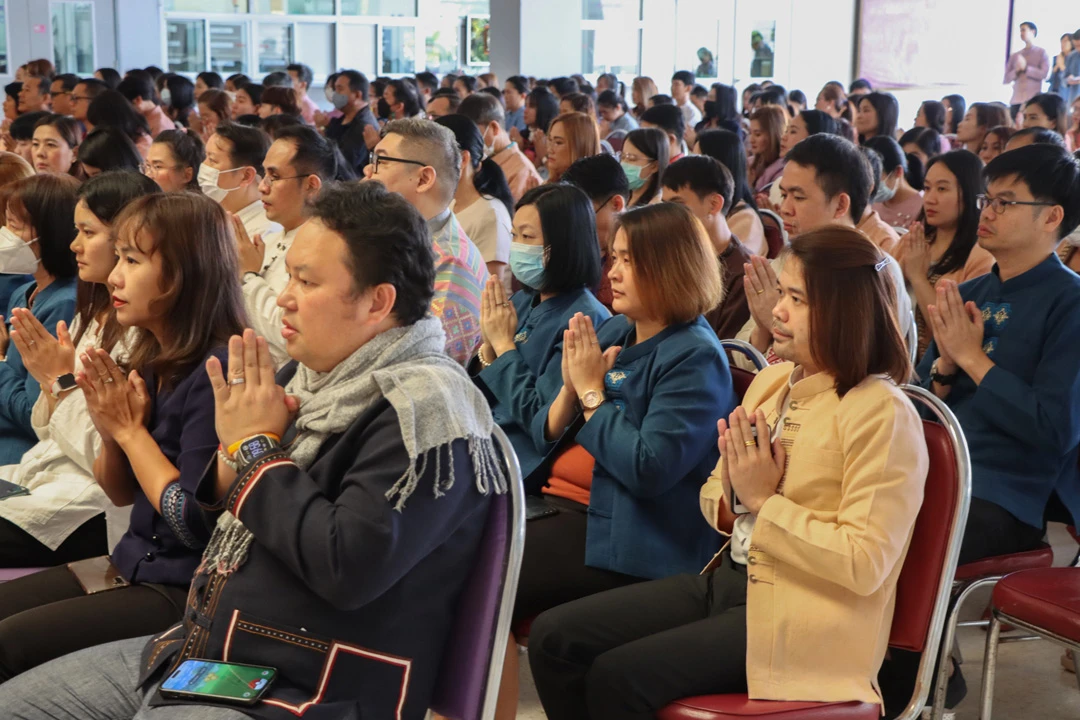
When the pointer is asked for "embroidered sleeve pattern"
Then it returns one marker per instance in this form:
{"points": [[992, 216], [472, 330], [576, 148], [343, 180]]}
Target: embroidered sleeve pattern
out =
{"points": [[173, 504]]}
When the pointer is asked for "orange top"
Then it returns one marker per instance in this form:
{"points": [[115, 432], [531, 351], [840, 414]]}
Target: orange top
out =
{"points": [[571, 475]]}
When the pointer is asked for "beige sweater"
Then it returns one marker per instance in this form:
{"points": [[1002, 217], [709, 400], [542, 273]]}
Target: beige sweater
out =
{"points": [[825, 554]]}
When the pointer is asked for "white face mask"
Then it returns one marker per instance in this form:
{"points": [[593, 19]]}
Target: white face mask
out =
{"points": [[208, 182], [886, 192], [16, 257]]}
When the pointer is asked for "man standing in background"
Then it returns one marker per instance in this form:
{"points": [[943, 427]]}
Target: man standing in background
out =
{"points": [[1026, 69]]}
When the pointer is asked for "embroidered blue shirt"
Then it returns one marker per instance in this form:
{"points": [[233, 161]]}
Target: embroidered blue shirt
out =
{"points": [[1022, 422]]}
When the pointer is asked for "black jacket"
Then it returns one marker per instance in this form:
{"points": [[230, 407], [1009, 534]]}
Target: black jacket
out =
{"points": [[349, 599], [350, 138]]}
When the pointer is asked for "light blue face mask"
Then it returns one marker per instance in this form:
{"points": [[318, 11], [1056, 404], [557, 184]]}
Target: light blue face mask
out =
{"points": [[633, 176], [527, 264], [339, 100]]}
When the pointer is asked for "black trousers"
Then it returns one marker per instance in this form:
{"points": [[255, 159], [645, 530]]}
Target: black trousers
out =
{"points": [[20, 549], [553, 569], [626, 653], [47, 615]]}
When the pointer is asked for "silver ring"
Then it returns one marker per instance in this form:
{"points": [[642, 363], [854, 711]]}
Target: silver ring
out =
{"points": [[107, 380], [31, 343], [237, 381]]}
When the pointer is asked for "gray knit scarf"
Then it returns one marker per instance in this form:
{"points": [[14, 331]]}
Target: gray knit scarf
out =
{"points": [[436, 404]]}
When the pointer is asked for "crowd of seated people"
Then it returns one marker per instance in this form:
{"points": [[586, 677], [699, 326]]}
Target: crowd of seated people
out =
{"points": [[234, 326]]}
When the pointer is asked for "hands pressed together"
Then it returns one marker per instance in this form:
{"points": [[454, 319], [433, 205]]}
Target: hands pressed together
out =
{"points": [[753, 468], [119, 405], [45, 357], [252, 252], [584, 365], [958, 329], [498, 320]]}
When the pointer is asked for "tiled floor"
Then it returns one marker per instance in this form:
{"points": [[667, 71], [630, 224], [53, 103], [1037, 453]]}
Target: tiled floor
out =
{"points": [[1031, 685]]}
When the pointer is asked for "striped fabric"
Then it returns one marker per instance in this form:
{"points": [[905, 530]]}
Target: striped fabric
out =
{"points": [[460, 276]]}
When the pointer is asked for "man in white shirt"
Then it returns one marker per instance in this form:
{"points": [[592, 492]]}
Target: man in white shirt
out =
{"points": [[682, 83], [232, 172], [297, 165]]}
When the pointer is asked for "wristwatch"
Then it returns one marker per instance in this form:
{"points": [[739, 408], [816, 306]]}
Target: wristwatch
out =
{"points": [[255, 447], [592, 399], [62, 384], [940, 379]]}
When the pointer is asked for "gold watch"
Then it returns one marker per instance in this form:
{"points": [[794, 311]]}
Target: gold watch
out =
{"points": [[592, 399]]}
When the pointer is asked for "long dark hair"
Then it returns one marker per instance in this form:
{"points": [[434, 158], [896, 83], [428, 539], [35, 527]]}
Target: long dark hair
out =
{"points": [[488, 178], [546, 104], [726, 147], [181, 97], [967, 168], [571, 248], [887, 109], [1053, 106], [934, 112], [199, 266], [111, 109], [819, 122], [108, 148], [106, 195], [653, 142], [959, 110]]}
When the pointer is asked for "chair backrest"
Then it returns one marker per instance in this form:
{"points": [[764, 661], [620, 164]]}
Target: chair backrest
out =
{"points": [[774, 232], [616, 140], [925, 585], [913, 339], [741, 379], [471, 669]]}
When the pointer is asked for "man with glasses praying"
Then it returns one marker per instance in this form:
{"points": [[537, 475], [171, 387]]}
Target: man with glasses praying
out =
{"points": [[420, 160], [296, 167], [1006, 353]]}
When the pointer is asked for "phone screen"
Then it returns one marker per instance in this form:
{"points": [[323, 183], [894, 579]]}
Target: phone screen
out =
{"points": [[225, 681]]}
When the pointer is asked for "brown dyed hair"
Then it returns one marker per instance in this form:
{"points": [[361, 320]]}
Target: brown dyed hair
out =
{"points": [[675, 268], [41, 68], [283, 97], [990, 115], [1001, 132], [647, 88], [219, 102], [580, 102], [199, 267], [854, 332], [12, 167], [773, 119], [838, 98], [582, 135]]}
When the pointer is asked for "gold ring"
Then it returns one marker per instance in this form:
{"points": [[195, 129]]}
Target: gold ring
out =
{"points": [[759, 292], [750, 443]]}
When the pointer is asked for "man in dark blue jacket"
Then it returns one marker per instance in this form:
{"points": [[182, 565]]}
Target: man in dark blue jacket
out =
{"points": [[1006, 353], [348, 504]]}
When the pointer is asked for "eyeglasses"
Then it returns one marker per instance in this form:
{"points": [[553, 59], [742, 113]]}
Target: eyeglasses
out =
{"points": [[269, 181], [984, 201], [77, 98], [151, 170], [376, 159]]}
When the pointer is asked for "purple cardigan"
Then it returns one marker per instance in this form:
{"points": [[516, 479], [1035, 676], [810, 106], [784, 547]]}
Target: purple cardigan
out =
{"points": [[770, 174]]}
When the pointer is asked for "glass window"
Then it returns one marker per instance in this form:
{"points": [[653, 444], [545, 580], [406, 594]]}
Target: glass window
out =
{"points": [[619, 10], [465, 7], [391, 8], [186, 41], [479, 31], [443, 45], [358, 48], [210, 6], [228, 47], [275, 47], [315, 44], [611, 50], [294, 7], [3, 37], [399, 50], [73, 36]]}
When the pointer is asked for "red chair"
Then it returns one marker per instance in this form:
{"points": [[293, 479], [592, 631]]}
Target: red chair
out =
{"points": [[922, 593], [741, 379], [1044, 602], [775, 238]]}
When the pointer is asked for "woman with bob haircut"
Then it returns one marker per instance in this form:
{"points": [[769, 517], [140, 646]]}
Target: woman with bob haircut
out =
{"points": [[106, 149], [943, 243], [55, 146], [633, 424], [66, 516], [644, 158], [570, 137], [878, 114], [767, 126], [742, 216], [38, 229], [829, 463], [174, 159], [175, 285]]}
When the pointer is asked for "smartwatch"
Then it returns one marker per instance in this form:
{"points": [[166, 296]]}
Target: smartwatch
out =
{"points": [[255, 447], [62, 385]]}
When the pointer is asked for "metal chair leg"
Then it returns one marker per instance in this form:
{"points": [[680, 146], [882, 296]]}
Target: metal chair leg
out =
{"points": [[1076, 664], [937, 711], [989, 668]]}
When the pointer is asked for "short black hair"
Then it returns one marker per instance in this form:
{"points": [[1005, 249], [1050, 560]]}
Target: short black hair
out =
{"points": [[108, 148], [12, 90], [571, 248], [668, 118], [68, 81], [303, 72], [138, 84], [1039, 136], [1050, 173], [358, 82], [661, 99], [152, 70], [797, 96], [112, 109], [700, 91], [468, 81], [428, 79], [519, 83], [254, 91], [1033, 26], [839, 167], [685, 76], [388, 242], [874, 159], [188, 149], [211, 80], [892, 155], [482, 109], [273, 124], [238, 79], [601, 177], [564, 85], [492, 91], [704, 175], [109, 76], [277, 79], [94, 87], [406, 94], [22, 127], [312, 153], [860, 84], [249, 145]]}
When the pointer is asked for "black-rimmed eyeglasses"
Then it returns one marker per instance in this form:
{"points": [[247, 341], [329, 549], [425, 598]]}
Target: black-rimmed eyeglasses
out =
{"points": [[999, 205], [376, 159]]}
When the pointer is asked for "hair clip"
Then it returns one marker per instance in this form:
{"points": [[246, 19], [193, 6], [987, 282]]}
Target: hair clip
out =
{"points": [[883, 264]]}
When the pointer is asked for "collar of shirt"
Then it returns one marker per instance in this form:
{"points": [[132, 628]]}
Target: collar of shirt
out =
{"points": [[438, 223], [1032, 277]]}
